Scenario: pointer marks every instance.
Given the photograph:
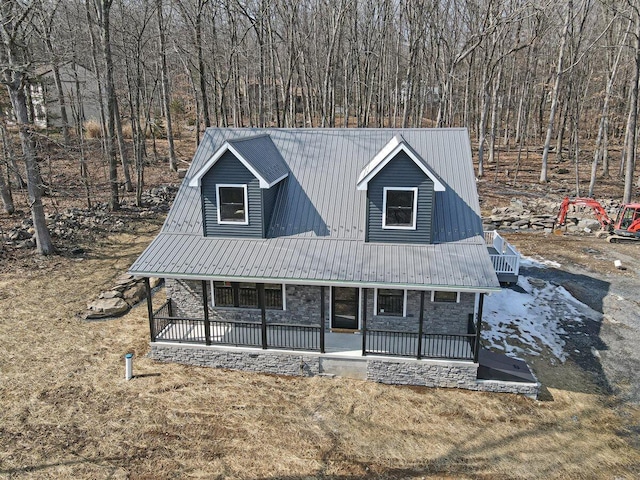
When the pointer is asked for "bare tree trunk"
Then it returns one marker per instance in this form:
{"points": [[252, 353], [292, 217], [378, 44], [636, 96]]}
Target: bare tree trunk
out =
{"points": [[633, 120], [602, 127], [104, 10], [166, 94], [555, 93], [13, 78]]}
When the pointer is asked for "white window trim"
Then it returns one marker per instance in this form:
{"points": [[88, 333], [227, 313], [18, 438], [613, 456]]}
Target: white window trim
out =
{"points": [[433, 295], [415, 208], [404, 301], [246, 203]]}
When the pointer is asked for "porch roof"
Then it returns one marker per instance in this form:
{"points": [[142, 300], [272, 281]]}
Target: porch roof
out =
{"points": [[461, 265]]}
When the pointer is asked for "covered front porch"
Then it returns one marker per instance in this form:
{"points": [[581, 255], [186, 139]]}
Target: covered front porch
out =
{"points": [[167, 326]]}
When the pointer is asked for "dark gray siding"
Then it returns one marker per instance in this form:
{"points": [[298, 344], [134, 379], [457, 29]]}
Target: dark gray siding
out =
{"points": [[401, 171], [228, 169], [269, 196]]}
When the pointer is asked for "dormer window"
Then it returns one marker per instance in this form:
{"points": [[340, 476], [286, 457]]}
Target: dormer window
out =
{"points": [[232, 204], [399, 208]]}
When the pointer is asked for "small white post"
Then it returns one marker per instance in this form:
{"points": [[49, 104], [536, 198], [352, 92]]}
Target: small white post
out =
{"points": [[128, 368]]}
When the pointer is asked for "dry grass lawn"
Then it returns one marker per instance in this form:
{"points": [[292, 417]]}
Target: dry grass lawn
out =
{"points": [[67, 412]]}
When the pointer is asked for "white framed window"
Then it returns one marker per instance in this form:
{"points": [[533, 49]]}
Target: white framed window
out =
{"points": [[232, 204], [399, 208], [391, 302], [445, 297]]}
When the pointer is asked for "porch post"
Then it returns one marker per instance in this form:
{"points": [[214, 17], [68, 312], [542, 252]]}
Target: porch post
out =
{"points": [[478, 328], [205, 306], [364, 323], [147, 288], [322, 320], [419, 355], [263, 314]]}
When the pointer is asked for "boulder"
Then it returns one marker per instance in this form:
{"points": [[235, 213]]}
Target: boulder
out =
{"points": [[134, 294], [107, 307], [154, 282], [111, 294]]}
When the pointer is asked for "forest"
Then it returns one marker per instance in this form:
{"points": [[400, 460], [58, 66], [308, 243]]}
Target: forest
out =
{"points": [[554, 79]]}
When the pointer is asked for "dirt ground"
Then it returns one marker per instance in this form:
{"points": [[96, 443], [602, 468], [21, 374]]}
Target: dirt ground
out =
{"points": [[67, 412]]}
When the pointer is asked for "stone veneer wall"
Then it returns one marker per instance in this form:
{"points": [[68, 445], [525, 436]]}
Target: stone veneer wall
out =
{"points": [[429, 373], [281, 363], [443, 318], [442, 373], [303, 304]]}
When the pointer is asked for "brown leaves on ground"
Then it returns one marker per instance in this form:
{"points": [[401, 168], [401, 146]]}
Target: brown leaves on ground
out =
{"points": [[67, 412]]}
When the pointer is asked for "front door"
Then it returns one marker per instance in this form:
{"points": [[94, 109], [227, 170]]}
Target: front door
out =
{"points": [[345, 308]]}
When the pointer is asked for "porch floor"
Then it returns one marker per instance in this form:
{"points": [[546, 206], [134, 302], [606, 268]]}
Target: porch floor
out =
{"points": [[336, 344]]}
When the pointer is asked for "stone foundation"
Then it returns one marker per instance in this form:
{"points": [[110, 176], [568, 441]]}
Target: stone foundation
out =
{"points": [[428, 373], [249, 360]]}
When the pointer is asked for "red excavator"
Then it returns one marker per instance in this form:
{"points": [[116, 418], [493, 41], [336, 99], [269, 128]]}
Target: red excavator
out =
{"points": [[625, 228]]}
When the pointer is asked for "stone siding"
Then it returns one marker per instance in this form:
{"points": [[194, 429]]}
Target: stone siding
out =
{"points": [[238, 359], [302, 308], [442, 318], [428, 373]]}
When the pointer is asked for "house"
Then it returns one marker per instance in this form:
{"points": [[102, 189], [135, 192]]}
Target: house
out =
{"points": [[80, 91], [305, 251]]}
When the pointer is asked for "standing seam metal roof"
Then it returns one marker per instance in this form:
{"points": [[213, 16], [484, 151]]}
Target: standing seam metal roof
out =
{"points": [[318, 225]]}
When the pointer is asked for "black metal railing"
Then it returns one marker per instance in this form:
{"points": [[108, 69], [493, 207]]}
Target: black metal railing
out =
{"points": [[169, 328], [433, 345], [293, 337]]}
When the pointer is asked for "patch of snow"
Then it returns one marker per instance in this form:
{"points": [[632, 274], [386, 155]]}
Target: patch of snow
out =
{"points": [[529, 319], [537, 262]]}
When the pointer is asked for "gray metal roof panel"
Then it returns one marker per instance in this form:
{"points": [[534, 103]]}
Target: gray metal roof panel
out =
{"points": [[319, 201], [456, 264], [262, 154]]}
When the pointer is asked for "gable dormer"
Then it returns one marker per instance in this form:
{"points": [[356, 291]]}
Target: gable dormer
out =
{"points": [[400, 195], [239, 185]]}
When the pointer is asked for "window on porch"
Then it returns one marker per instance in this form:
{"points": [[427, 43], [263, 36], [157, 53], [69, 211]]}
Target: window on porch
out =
{"points": [[245, 295], [390, 302], [445, 297]]}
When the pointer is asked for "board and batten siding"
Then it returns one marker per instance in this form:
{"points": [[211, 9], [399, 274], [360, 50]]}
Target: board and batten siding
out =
{"points": [[229, 170], [401, 171]]}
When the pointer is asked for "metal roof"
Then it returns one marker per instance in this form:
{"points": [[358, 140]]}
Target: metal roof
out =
{"points": [[388, 152], [318, 226], [257, 153]]}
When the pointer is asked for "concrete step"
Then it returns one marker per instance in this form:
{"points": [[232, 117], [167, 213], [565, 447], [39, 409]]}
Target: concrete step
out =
{"points": [[344, 367]]}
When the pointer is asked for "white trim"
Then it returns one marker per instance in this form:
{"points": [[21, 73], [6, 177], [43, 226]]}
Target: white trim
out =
{"points": [[375, 301], [226, 146], [414, 219], [360, 308], [213, 293], [246, 203], [404, 304], [284, 297], [433, 294], [404, 300], [384, 156]]}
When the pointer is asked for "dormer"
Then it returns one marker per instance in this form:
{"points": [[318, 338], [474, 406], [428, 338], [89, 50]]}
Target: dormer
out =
{"points": [[239, 185], [400, 188]]}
